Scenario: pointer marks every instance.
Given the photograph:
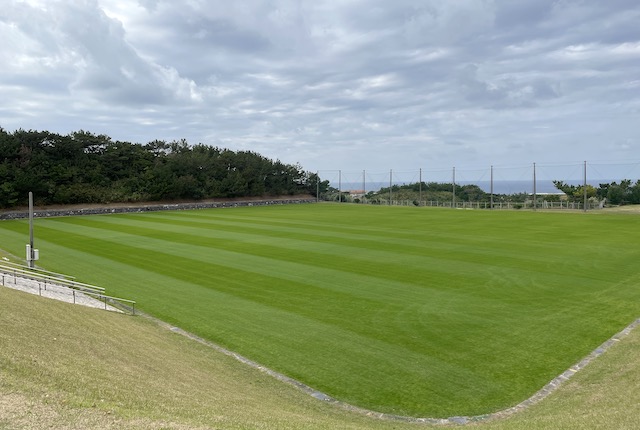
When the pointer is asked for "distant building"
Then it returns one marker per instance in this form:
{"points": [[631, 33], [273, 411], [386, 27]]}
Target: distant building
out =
{"points": [[357, 194]]}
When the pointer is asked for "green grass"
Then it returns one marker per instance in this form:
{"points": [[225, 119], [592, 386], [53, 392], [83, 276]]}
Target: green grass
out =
{"points": [[400, 310], [69, 367], [73, 368]]}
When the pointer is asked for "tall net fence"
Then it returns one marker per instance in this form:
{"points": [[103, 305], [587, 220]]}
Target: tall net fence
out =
{"points": [[569, 186]]}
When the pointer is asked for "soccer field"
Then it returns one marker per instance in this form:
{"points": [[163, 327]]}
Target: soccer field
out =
{"points": [[410, 311]]}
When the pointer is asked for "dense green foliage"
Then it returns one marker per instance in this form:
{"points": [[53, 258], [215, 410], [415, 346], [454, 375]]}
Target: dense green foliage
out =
{"points": [[401, 310], [615, 193], [86, 168], [429, 191]]}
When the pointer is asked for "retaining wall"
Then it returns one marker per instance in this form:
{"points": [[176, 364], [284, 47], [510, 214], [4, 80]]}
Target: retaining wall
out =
{"points": [[43, 213]]}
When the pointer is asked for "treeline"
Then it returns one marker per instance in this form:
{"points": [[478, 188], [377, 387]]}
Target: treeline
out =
{"points": [[614, 193], [83, 167], [435, 191]]}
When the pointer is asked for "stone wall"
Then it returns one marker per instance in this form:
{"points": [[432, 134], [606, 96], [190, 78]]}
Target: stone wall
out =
{"points": [[43, 213]]}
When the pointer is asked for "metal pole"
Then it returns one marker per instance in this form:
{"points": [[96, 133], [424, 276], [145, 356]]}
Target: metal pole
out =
{"points": [[390, 181], [584, 187], [453, 202], [317, 186], [339, 186], [364, 187], [420, 201], [31, 253], [491, 207], [535, 198]]}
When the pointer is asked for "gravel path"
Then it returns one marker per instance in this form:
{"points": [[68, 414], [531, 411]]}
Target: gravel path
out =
{"points": [[53, 291]]}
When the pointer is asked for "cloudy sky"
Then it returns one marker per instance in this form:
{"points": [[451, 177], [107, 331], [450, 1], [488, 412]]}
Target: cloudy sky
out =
{"points": [[349, 84]]}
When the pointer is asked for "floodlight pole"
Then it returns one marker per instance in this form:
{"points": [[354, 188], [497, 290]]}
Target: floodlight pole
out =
{"points": [[339, 186], [31, 253]]}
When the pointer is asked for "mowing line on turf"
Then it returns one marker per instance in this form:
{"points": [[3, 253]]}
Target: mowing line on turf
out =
{"points": [[405, 311]]}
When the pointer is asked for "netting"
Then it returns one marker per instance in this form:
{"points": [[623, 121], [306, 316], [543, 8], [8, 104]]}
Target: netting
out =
{"points": [[569, 185]]}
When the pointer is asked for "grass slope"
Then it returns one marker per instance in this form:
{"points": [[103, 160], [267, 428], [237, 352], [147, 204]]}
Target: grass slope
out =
{"points": [[400, 310], [71, 368], [65, 366]]}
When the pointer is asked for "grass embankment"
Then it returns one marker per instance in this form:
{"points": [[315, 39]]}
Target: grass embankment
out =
{"points": [[68, 367], [63, 365], [402, 310]]}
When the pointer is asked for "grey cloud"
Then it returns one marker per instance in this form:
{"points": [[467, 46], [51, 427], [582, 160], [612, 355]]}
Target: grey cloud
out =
{"points": [[101, 62], [449, 22], [429, 78]]}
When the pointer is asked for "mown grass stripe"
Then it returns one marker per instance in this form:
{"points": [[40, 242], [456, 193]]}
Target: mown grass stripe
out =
{"points": [[352, 350], [336, 252], [463, 244], [443, 312]]}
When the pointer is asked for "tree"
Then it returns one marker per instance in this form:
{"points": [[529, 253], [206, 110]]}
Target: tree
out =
{"points": [[619, 194], [86, 168]]}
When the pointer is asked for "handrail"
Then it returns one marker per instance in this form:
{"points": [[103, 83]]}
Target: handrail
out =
{"points": [[41, 277], [80, 285], [117, 300], [22, 266], [91, 290]]}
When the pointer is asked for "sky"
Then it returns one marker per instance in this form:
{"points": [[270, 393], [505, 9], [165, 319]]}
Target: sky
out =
{"points": [[356, 85]]}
